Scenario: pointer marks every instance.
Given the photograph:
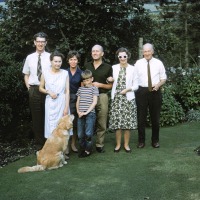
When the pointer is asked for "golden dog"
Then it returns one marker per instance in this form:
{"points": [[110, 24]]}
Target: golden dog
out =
{"points": [[52, 155]]}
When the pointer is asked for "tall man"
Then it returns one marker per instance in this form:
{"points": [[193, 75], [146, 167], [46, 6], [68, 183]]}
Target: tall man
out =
{"points": [[101, 71], [151, 76], [34, 64]]}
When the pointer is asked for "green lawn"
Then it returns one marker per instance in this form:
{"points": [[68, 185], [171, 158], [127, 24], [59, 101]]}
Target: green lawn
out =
{"points": [[171, 172]]}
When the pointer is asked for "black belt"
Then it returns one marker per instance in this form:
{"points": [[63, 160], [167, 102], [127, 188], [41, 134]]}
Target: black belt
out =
{"points": [[142, 87]]}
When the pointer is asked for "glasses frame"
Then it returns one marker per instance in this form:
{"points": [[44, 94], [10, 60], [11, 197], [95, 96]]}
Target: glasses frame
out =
{"points": [[42, 42], [120, 57]]}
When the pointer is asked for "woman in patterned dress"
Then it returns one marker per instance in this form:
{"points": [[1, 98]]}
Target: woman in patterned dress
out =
{"points": [[55, 84], [123, 114]]}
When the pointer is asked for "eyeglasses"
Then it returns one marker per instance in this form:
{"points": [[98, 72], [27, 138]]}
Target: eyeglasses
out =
{"points": [[42, 42], [122, 57]]}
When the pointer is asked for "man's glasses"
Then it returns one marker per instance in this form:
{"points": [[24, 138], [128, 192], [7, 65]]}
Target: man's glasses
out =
{"points": [[122, 57], [42, 42]]}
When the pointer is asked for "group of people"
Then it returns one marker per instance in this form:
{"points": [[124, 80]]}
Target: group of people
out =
{"points": [[54, 92]]}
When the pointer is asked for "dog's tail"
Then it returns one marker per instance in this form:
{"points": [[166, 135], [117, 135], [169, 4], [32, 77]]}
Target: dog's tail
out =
{"points": [[35, 168]]}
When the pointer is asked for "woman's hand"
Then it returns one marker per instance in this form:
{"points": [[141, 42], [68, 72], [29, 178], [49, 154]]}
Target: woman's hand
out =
{"points": [[110, 79], [124, 91], [52, 95], [65, 112]]}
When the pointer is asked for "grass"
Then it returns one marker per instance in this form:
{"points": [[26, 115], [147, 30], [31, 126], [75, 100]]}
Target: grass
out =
{"points": [[168, 173]]}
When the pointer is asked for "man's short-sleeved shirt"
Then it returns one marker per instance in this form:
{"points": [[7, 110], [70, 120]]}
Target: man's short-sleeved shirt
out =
{"points": [[100, 74], [30, 66]]}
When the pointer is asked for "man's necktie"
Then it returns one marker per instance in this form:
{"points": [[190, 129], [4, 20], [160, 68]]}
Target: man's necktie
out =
{"points": [[39, 67], [149, 77]]}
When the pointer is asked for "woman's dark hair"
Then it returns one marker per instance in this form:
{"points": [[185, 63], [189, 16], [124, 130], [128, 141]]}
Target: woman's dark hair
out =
{"points": [[122, 49], [56, 53], [73, 53]]}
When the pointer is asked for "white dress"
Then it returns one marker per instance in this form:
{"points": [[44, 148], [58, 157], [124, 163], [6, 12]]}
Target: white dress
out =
{"points": [[54, 107]]}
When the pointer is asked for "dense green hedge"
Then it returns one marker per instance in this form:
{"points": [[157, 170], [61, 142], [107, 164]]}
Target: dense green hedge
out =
{"points": [[14, 95]]}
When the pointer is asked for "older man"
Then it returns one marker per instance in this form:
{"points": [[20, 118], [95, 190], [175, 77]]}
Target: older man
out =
{"points": [[101, 71], [151, 76]]}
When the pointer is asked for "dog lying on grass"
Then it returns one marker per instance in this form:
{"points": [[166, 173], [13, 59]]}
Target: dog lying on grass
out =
{"points": [[52, 155]]}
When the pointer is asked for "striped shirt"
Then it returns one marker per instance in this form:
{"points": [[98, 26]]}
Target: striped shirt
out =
{"points": [[86, 95]]}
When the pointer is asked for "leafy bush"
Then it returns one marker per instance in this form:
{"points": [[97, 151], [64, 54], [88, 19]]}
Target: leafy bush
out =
{"points": [[193, 115], [187, 83], [14, 96], [172, 111]]}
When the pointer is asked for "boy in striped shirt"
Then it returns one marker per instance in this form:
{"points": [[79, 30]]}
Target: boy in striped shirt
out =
{"points": [[86, 101]]}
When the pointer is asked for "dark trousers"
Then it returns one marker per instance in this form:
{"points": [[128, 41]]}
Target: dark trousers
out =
{"points": [[72, 105], [148, 100], [37, 107]]}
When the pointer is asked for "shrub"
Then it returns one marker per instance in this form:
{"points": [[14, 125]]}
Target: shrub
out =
{"points": [[193, 115], [172, 111], [14, 96], [187, 83]]}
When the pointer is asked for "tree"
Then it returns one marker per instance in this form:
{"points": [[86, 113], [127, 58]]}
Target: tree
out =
{"points": [[182, 20], [72, 24]]}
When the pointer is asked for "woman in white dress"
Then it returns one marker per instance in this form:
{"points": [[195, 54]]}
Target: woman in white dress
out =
{"points": [[55, 84]]}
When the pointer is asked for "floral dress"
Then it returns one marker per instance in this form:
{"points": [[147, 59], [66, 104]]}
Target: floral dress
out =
{"points": [[123, 113]]}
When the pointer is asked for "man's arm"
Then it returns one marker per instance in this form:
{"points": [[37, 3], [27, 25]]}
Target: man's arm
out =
{"points": [[26, 78], [107, 86], [158, 85]]}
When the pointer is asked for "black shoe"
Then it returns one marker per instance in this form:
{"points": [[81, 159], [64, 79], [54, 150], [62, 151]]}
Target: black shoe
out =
{"points": [[127, 150], [141, 145], [117, 150], [155, 145], [85, 154], [81, 152], [100, 149]]}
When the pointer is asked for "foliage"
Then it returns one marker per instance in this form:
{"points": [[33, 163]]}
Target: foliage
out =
{"points": [[72, 24], [187, 83], [13, 100], [193, 115], [79, 24], [166, 43], [178, 25], [172, 111]]}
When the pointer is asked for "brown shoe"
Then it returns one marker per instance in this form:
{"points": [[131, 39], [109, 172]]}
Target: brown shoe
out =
{"points": [[155, 145], [141, 145]]}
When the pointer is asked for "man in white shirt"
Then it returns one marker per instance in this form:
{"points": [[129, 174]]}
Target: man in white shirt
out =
{"points": [[34, 64], [149, 96]]}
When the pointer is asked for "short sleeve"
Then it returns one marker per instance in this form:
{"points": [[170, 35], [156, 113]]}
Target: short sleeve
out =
{"points": [[95, 91]]}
